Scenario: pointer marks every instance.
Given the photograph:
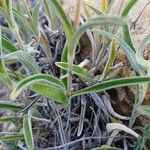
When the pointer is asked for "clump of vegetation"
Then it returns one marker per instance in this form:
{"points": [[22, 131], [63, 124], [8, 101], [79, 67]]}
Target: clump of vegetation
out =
{"points": [[59, 98]]}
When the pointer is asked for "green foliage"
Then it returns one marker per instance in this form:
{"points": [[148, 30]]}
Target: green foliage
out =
{"points": [[58, 86], [27, 130]]}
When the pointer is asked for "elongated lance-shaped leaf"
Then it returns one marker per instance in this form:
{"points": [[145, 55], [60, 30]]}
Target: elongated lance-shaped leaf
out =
{"points": [[25, 59], [100, 20], [8, 106], [8, 46], [10, 138], [127, 37], [104, 6], [106, 85], [111, 58], [130, 54], [36, 79], [4, 75], [63, 17], [35, 15], [51, 92], [128, 7], [144, 110], [76, 70], [27, 130], [23, 20], [126, 32]]}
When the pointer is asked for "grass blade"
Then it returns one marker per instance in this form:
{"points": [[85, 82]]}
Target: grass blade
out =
{"points": [[51, 92], [76, 70], [63, 18], [8, 106], [35, 15], [51, 82], [8, 46], [10, 138], [106, 148], [27, 130], [106, 85], [128, 7]]}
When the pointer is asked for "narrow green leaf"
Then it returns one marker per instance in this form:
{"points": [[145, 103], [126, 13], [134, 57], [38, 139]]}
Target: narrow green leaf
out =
{"points": [[10, 138], [35, 15], [27, 130], [51, 92], [106, 85], [76, 70], [63, 17], [144, 110], [127, 37], [6, 80], [8, 106], [30, 81], [8, 46], [128, 7], [8, 119], [126, 32], [111, 58], [23, 20], [4, 75], [25, 59]]}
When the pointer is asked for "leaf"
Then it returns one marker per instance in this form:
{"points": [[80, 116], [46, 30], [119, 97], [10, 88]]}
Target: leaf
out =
{"points": [[4, 75], [25, 59], [10, 138], [8, 46], [104, 6], [23, 20], [111, 58], [106, 85], [4, 78], [128, 7], [51, 92], [35, 15], [8, 119], [52, 85], [63, 18], [105, 147], [76, 70], [121, 127], [129, 52], [27, 130], [127, 37], [8, 106], [144, 110]]}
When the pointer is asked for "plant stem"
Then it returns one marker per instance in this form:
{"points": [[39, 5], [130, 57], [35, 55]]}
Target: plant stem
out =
{"points": [[77, 15]]}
